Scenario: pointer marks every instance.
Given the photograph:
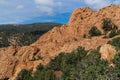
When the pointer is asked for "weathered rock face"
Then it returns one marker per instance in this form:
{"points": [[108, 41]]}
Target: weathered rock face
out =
{"points": [[60, 39], [108, 52], [13, 59], [69, 36], [82, 15]]}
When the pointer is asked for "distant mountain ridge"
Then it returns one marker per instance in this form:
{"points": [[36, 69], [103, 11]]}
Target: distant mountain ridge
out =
{"points": [[17, 34]]}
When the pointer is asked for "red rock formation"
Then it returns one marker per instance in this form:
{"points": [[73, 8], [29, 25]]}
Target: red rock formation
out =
{"points": [[107, 52], [60, 39]]}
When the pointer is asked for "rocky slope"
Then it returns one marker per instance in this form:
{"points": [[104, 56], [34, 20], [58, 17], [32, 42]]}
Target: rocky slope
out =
{"points": [[60, 39]]}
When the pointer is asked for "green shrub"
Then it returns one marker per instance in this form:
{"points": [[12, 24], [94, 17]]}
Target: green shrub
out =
{"points": [[81, 51], [40, 67], [112, 33], [107, 25], [94, 31], [24, 75], [43, 73], [4, 78], [116, 60], [115, 42], [55, 64]]}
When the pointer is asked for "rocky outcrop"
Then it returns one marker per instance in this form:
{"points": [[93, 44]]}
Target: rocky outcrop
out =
{"points": [[60, 39], [14, 59], [107, 52]]}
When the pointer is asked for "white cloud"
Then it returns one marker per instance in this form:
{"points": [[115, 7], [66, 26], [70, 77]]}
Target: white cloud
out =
{"points": [[45, 9], [47, 6], [19, 7], [3, 2], [45, 2], [97, 4]]}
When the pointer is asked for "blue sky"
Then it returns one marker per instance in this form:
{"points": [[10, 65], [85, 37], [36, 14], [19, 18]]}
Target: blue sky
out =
{"points": [[31, 11]]}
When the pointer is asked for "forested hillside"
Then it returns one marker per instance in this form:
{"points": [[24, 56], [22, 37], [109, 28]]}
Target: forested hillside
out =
{"points": [[22, 35]]}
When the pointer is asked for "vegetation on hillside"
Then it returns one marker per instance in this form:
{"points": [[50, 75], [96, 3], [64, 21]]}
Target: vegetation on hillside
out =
{"points": [[110, 29], [81, 64], [77, 65], [115, 42], [94, 31], [107, 25], [22, 35]]}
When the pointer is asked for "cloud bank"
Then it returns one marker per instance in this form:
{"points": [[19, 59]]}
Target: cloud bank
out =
{"points": [[47, 6], [97, 4]]}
